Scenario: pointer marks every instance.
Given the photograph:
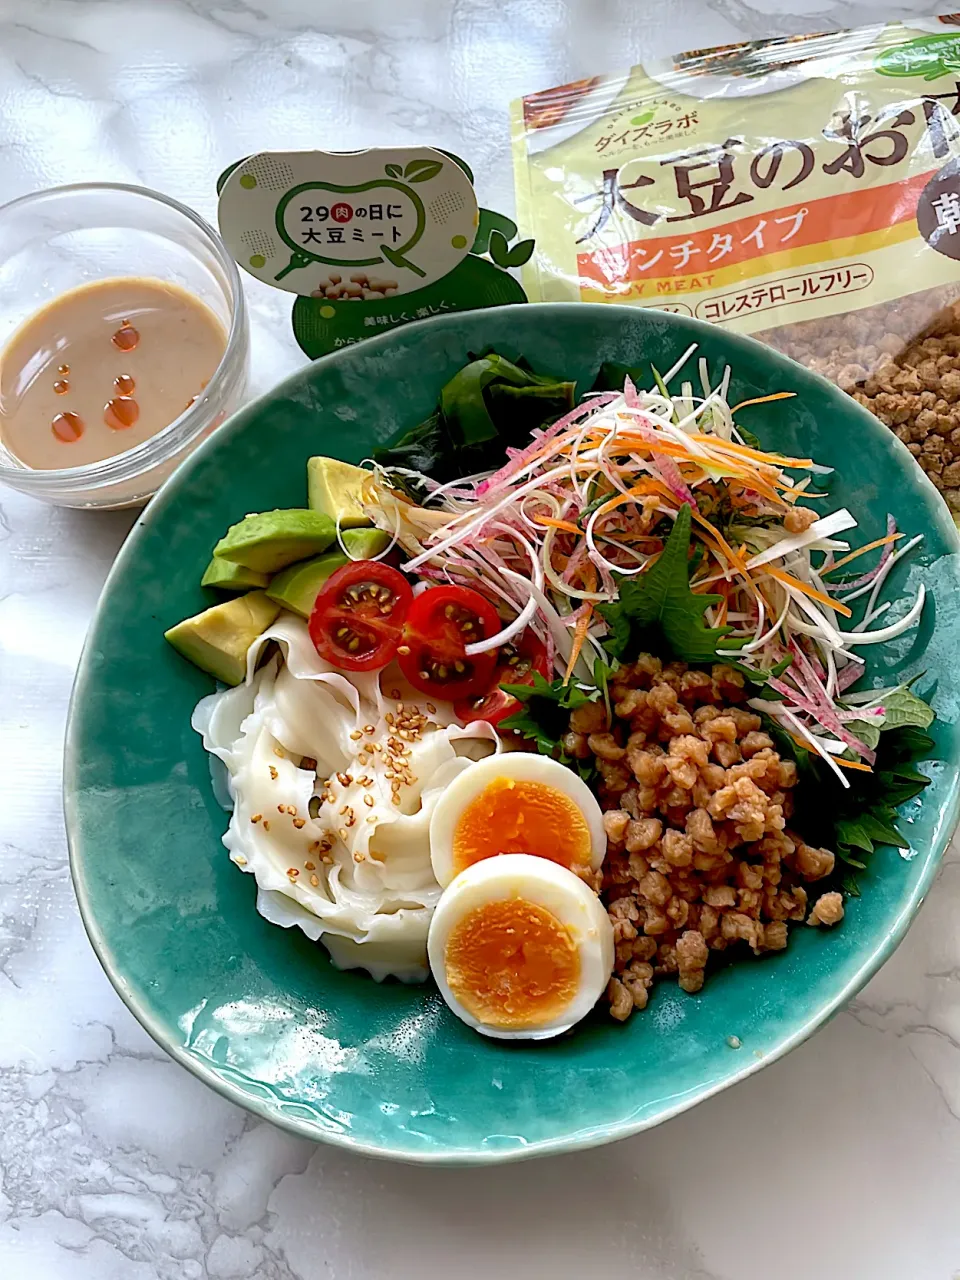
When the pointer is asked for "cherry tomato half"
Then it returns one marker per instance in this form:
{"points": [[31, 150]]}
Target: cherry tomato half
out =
{"points": [[358, 616], [439, 626], [516, 663]]}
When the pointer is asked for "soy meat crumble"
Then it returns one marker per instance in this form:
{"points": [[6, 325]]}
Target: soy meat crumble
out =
{"points": [[701, 855]]}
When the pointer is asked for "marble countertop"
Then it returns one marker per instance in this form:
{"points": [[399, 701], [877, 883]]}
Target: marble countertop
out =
{"points": [[841, 1161]]}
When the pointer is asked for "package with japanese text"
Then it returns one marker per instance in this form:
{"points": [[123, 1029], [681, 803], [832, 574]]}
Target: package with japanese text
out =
{"points": [[805, 190]]}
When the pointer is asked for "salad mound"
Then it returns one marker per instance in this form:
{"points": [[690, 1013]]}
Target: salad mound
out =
{"points": [[663, 616]]}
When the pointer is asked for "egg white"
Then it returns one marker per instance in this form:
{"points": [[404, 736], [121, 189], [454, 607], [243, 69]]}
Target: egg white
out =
{"points": [[547, 885], [522, 766]]}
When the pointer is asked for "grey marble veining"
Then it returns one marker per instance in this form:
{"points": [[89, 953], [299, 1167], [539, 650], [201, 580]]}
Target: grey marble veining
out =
{"points": [[840, 1162]]}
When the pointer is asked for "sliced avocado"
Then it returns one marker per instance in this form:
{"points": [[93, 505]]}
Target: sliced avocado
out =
{"points": [[226, 576], [297, 586], [273, 539], [217, 640], [334, 488], [362, 544]]}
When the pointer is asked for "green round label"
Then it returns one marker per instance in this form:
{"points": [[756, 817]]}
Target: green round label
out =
{"points": [[248, 181]]}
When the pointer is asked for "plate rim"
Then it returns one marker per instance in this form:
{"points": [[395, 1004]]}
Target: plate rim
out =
{"points": [[597, 1135]]}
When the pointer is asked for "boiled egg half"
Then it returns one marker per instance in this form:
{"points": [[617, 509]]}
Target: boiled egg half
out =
{"points": [[516, 802], [520, 947]]}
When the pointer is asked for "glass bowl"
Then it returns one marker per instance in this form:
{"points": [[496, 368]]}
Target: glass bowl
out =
{"points": [[55, 240]]}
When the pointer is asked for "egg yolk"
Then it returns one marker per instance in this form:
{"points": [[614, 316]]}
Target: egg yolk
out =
{"points": [[512, 964], [514, 816]]}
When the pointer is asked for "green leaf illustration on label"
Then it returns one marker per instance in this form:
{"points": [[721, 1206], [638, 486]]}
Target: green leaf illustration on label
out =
{"points": [[927, 56], [422, 170]]}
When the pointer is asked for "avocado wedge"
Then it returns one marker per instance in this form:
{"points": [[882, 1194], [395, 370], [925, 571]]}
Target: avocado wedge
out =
{"points": [[217, 640], [333, 487], [270, 540], [296, 587], [226, 576]]}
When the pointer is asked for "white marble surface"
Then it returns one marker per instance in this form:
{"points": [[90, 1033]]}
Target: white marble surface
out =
{"points": [[843, 1161]]}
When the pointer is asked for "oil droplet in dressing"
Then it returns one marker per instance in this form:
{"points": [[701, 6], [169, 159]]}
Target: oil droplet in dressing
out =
{"points": [[124, 385], [64, 369], [127, 337], [61, 387], [67, 427], [121, 412]]}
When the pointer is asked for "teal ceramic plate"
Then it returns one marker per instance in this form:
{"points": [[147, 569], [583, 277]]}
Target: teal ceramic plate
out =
{"points": [[258, 1012]]}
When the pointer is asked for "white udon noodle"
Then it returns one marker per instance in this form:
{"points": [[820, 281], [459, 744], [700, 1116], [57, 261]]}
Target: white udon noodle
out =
{"points": [[372, 904]]}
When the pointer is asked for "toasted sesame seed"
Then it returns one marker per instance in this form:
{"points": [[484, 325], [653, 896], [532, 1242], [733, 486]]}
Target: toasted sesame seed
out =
{"points": [[363, 758], [292, 873], [342, 833], [369, 801], [389, 717], [240, 860], [314, 881], [431, 708], [395, 797], [273, 773], [369, 728], [403, 650], [372, 817], [266, 824], [328, 861], [281, 808], [256, 817], [345, 809], [356, 735], [292, 810], [299, 823], [358, 857], [351, 820], [310, 866], [315, 846], [279, 751]]}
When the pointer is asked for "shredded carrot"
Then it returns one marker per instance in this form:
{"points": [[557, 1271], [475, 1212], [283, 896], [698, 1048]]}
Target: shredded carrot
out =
{"points": [[789, 581], [644, 487], [777, 395], [550, 523], [852, 764], [721, 542], [871, 546], [758, 455], [579, 636], [723, 590]]}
